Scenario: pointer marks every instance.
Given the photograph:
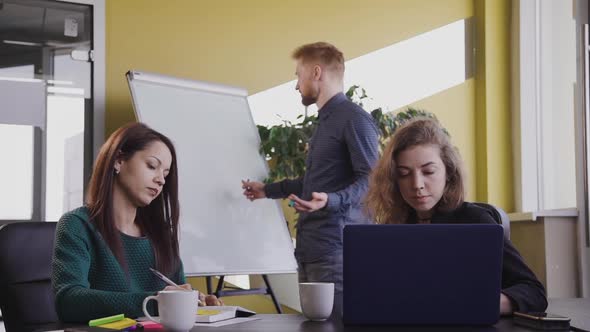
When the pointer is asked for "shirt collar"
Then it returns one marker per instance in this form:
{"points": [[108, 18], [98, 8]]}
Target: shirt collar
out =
{"points": [[330, 105]]}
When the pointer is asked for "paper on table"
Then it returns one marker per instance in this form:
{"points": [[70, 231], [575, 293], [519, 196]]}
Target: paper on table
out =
{"points": [[230, 321], [211, 314]]}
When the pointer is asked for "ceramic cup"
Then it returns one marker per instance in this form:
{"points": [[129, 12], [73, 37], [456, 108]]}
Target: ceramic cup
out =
{"points": [[178, 309], [317, 299]]}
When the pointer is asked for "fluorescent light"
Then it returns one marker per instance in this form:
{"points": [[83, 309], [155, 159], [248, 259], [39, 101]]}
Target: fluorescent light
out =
{"points": [[19, 79], [22, 43], [69, 91], [60, 82]]}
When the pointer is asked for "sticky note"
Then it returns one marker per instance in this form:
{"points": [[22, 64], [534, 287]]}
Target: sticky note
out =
{"points": [[106, 320], [149, 325], [120, 324]]}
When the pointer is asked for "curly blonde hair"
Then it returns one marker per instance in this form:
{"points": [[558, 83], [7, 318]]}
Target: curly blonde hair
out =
{"points": [[384, 202]]}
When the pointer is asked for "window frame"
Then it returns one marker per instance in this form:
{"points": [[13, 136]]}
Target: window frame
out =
{"points": [[527, 109]]}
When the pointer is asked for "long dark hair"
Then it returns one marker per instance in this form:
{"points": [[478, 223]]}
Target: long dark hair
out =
{"points": [[158, 220]]}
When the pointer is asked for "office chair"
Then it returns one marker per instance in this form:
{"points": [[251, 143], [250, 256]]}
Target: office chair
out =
{"points": [[499, 215], [26, 297]]}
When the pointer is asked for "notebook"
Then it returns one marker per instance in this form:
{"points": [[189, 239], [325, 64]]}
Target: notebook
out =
{"points": [[211, 314], [422, 274]]}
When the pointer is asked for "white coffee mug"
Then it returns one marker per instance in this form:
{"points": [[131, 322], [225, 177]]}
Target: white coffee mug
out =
{"points": [[177, 308], [317, 299]]}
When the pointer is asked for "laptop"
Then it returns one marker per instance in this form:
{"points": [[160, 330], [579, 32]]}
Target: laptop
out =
{"points": [[422, 274]]}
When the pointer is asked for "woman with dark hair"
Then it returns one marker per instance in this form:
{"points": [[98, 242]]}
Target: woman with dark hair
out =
{"points": [[104, 249], [419, 179]]}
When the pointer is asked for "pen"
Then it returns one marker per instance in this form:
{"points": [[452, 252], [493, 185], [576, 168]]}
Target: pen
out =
{"points": [[164, 278], [135, 327], [168, 281]]}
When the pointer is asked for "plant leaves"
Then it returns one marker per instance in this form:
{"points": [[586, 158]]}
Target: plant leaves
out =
{"points": [[285, 145]]}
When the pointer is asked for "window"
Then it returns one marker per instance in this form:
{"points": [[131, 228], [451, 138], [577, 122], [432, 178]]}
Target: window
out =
{"points": [[544, 114], [45, 83], [393, 77], [16, 192], [65, 152]]}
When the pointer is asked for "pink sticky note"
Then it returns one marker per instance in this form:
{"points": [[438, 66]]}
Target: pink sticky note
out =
{"points": [[149, 325]]}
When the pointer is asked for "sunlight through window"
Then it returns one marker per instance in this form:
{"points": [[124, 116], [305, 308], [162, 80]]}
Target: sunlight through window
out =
{"points": [[393, 76]]}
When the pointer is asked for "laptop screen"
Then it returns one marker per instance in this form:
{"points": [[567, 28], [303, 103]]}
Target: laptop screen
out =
{"points": [[422, 274]]}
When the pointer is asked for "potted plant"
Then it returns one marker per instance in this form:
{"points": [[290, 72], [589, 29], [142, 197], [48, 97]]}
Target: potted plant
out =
{"points": [[285, 145]]}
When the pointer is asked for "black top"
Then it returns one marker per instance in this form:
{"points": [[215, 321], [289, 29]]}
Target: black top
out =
{"points": [[342, 151], [519, 283]]}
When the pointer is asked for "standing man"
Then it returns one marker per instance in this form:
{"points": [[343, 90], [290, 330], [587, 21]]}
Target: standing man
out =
{"points": [[342, 151]]}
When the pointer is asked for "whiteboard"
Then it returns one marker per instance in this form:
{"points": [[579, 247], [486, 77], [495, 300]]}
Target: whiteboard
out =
{"points": [[217, 144]]}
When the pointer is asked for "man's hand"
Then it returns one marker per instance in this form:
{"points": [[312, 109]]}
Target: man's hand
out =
{"points": [[253, 190], [318, 201]]}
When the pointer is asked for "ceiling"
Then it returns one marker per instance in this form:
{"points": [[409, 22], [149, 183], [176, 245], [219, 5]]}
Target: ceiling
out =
{"points": [[27, 27]]}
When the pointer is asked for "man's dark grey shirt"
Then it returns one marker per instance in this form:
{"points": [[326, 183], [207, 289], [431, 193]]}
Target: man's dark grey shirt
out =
{"points": [[342, 152]]}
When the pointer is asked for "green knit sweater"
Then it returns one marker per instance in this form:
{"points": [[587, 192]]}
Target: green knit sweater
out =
{"points": [[89, 282]]}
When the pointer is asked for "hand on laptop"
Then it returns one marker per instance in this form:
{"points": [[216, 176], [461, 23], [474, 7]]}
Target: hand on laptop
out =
{"points": [[505, 305]]}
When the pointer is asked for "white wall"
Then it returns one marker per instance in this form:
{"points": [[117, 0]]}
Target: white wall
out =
{"points": [[558, 74]]}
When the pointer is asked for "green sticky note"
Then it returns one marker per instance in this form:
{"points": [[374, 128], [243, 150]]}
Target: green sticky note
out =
{"points": [[106, 320]]}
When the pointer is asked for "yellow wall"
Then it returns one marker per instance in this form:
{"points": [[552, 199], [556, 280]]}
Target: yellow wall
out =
{"points": [[257, 303], [494, 175], [454, 108], [248, 44]]}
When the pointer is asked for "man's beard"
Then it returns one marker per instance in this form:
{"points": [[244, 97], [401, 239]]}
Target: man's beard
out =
{"points": [[307, 100]]}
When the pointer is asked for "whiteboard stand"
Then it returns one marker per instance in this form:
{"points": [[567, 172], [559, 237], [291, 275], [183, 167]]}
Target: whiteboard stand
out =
{"points": [[219, 291], [217, 146]]}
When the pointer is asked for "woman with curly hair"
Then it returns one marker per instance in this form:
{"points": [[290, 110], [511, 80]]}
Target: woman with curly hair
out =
{"points": [[420, 180]]}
